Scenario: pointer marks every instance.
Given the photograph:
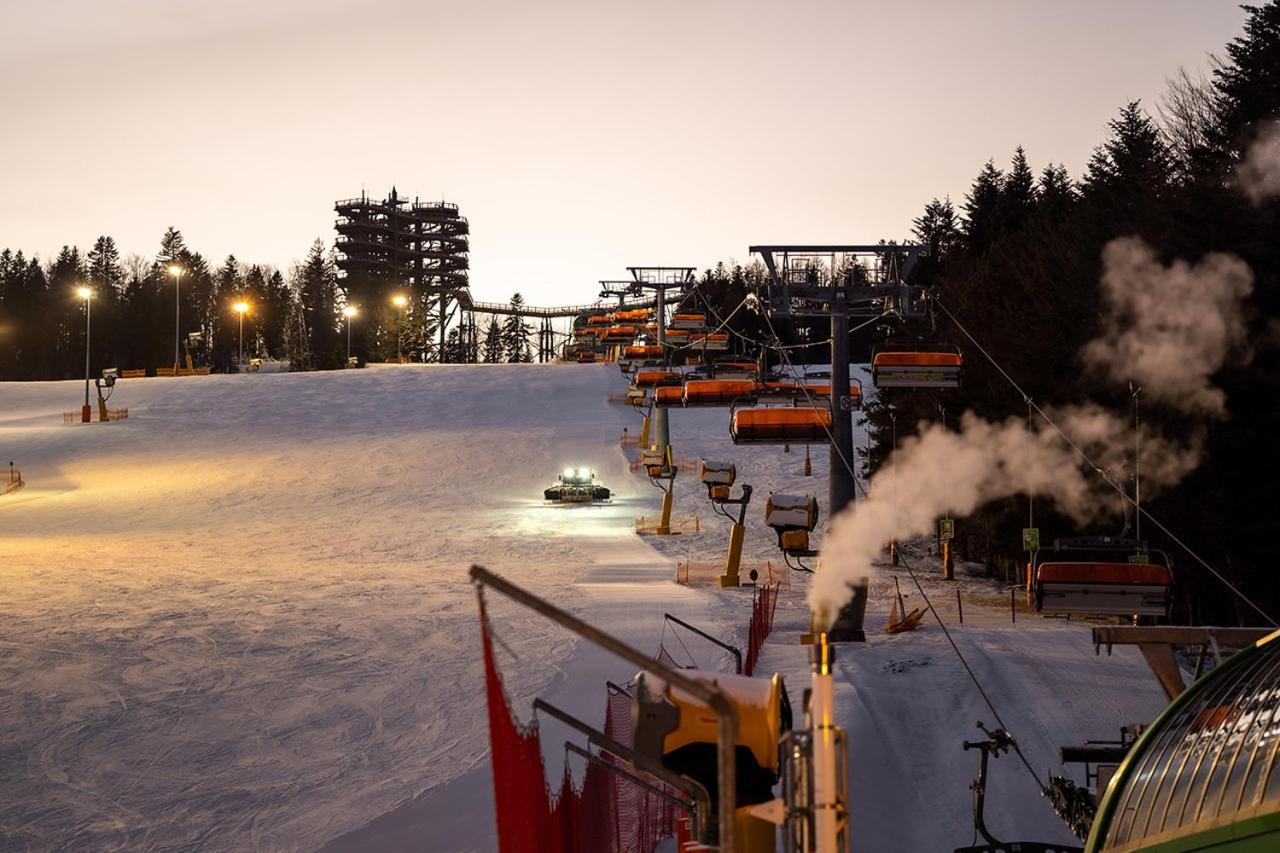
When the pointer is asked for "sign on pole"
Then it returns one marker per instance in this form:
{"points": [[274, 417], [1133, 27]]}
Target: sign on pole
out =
{"points": [[1031, 539], [947, 529], [846, 403]]}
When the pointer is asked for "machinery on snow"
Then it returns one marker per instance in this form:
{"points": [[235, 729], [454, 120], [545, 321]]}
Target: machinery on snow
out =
{"points": [[576, 485]]}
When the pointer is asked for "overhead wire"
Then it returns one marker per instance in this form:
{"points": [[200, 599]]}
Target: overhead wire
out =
{"points": [[1103, 474], [920, 588]]}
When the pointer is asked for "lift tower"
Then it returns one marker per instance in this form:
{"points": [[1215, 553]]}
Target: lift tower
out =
{"points": [[659, 280], [840, 282]]}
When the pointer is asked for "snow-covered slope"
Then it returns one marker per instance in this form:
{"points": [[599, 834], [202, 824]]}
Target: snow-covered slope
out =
{"points": [[240, 619]]}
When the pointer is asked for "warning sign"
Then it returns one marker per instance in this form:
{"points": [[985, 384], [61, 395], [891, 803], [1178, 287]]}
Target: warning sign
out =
{"points": [[1031, 539], [947, 529], [847, 403]]}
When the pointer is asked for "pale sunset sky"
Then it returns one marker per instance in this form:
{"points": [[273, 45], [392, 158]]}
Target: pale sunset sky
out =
{"points": [[577, 137]]}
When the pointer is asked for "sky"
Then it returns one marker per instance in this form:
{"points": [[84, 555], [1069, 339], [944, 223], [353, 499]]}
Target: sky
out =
{"points": [[578, 138]]}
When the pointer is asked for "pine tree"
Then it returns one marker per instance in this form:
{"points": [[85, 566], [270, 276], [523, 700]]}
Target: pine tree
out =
{"points": [[515, 335], [277, 302], [1018, 193], [317, 289], [982, 208], [937, 228], [493, 348], [1055, 192], [105, 271]]}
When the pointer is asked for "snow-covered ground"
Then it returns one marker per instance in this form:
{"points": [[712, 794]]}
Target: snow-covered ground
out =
{"points": [[240, 619]]}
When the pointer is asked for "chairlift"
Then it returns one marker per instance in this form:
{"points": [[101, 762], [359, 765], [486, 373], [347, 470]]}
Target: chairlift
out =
{"points": [[1103, 576], [619, 334], [655, 378], [599, 320], [735, 369], [718, 392], [668, 397], [780, 426], [586, 356], [688, 321], [916, 364], [710, 341]]}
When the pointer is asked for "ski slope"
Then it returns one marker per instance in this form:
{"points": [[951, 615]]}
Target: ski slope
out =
{"points": [[240, 619]]}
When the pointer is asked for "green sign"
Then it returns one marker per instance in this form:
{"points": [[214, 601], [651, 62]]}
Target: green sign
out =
{"points": [[1031, 539], [1139, 559], [947, 529]]}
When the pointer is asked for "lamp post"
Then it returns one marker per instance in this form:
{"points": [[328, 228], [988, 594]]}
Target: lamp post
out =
{"points": [[400, 301], [87, 295], [241, 308], [176, 271], [349, 312]]}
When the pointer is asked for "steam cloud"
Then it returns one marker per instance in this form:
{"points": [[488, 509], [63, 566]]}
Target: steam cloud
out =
{"points": [[943, 471], [1259, 175], [1170, 328]]}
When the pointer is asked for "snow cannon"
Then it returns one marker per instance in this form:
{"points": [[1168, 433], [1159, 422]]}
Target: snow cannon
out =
{"points": [[576, 485], [653, 462], [793, 518], [680, 731], [718, 477]]}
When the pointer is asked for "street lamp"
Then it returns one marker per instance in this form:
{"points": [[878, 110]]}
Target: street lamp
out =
{"points": [[87, 295], [241, 308], [349, 312], [176, 271], [400, 301]]}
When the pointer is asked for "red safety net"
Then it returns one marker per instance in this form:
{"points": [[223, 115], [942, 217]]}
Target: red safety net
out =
{"points": [[609, 814], [764, 600]]}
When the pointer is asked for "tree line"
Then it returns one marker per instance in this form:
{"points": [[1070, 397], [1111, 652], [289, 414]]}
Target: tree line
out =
{"points": [[138, 318]]}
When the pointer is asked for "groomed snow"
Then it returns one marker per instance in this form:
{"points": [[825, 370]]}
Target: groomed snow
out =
{"points": [[240, 619]]}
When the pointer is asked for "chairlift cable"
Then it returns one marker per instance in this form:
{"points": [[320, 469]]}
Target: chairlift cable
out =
{"points": [[1101, 473]]}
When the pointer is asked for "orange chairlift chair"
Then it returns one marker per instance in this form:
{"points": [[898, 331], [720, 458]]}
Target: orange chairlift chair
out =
{"points": [[718, 392], [797, 425], [1103, 576], [916, 364]]}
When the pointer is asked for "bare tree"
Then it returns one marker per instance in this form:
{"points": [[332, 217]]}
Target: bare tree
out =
{"points": [[1187, 111]]}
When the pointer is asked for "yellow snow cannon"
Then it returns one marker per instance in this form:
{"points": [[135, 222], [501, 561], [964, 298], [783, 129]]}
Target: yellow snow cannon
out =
{"points": [[718, 477], [793, 518], [680, 732]]}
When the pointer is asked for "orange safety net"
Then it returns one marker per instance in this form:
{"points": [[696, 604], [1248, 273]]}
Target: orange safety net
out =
{"points": [[1103, 573], [780, 426], [608, 814], [764, 601], [717, 392], [917, 359]]}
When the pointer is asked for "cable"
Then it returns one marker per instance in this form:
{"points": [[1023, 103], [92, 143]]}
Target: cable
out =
{"points": [[1100, 472], [964, 662]]}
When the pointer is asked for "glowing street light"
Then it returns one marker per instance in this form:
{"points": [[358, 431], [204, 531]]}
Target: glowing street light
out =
{"points": [[400, 301], [176, 271], [349, 312], [241, 308], [87, 295]]}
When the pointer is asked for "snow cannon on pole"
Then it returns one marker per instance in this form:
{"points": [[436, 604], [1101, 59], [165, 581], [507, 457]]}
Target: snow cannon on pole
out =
{"points": [[678, 730], [719, 478]]}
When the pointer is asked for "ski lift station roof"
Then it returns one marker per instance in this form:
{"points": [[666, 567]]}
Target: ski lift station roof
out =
{"points": [[1205, 775]]}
